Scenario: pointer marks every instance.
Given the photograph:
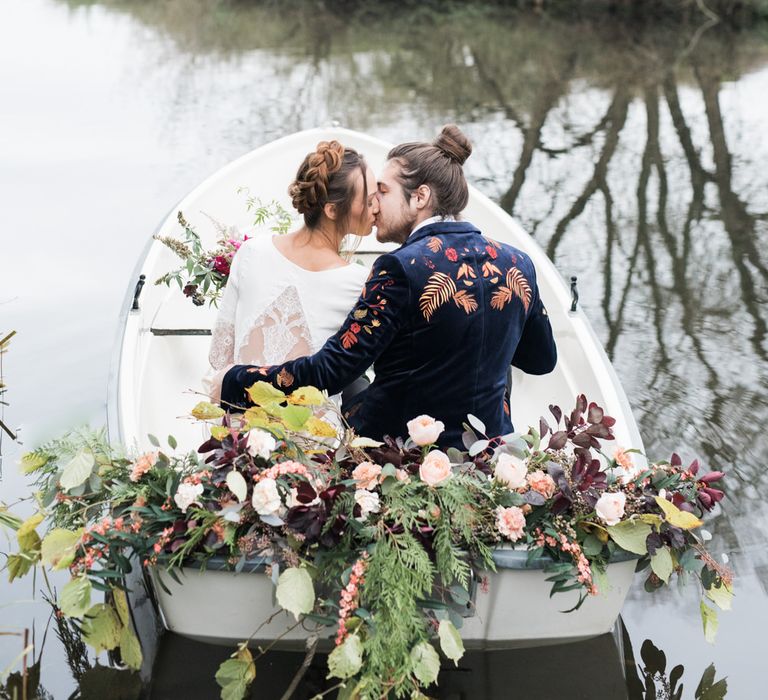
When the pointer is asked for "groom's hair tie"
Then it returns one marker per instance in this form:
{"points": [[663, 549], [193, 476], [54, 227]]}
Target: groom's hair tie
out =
{"points": [[326, 177], [438, 165]]}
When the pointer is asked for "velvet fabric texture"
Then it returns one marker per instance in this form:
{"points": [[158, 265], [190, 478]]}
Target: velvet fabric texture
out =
{"points": [[441, 319]]}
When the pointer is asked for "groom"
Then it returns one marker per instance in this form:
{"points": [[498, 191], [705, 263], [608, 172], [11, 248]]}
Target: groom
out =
{"points": [[441, 318]]}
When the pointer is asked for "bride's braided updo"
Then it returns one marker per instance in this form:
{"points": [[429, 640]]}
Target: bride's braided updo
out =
{"points": [[326, 176]]}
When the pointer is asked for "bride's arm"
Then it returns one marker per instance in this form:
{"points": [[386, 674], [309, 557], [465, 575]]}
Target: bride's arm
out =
{"points": [[366, 332]]}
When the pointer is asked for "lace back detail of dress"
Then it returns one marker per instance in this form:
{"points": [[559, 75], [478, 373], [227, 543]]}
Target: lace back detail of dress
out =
{"points": [[280, 333]]}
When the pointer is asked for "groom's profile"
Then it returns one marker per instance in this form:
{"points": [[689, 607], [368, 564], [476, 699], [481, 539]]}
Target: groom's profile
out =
{"points": [[441, 318]]}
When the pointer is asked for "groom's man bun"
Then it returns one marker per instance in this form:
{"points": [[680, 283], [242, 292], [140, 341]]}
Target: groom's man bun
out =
{"points": [[326, 176], [438, 165]]}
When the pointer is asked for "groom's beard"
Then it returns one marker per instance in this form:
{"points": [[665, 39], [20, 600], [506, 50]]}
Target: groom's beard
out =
{"points": [[397, 231]]}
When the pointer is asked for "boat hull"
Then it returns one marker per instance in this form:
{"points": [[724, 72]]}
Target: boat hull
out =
{"points": [[513, 610]]}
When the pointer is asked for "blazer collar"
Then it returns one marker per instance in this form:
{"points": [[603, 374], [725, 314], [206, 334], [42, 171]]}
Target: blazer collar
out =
{"points": [[441, 228]]}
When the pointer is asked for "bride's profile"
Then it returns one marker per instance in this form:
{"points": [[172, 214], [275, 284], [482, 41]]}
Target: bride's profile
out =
{"points": [[287, 294]]}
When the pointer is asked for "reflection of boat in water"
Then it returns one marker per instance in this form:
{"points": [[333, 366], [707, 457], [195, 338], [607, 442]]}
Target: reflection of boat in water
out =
{"points": [[163, 353]]}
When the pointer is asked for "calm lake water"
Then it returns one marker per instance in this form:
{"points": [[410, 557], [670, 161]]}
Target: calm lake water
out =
{"points": [[635, 155]]}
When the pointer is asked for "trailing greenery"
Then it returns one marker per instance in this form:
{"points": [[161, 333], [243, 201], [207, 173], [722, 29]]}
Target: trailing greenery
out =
{"points": [[379, 544]]}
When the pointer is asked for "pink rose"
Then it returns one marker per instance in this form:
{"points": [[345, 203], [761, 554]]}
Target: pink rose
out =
{"points": [[366, 474], [402, 475], [435, 468], [424, 430], [510, 522], [610, 507], [510, 471], [543, 483]]}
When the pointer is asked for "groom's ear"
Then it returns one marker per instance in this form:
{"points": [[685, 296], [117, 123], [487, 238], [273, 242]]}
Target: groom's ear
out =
{"points": [[330, 211], [423, 196]]}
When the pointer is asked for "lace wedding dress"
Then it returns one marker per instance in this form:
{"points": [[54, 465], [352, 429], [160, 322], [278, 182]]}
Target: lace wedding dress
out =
{"points": [[273, 310]]}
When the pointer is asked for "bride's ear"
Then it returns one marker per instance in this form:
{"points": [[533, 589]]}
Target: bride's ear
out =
{"points": [[330, 211]]}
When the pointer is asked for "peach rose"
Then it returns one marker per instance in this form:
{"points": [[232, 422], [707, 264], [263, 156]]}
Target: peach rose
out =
{"points": [[610, 507], [435, 468], [142, 465], [541, 482], [424, 430], [510, 522], [366, 474], [402, 475], [510, 471]]}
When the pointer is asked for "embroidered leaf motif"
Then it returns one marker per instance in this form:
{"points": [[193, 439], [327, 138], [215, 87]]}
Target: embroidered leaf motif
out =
{"points": [[468, 283], [501, 297], [492, 242], [284, 378], [490, 269], [348, 339], [464, 300], [465, 271], [434, 244], [439, 289], [360, 313], [519, 285]]}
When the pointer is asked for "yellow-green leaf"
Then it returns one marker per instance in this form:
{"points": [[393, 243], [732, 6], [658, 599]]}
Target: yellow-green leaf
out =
{"points": [[236, 674], [19, 565], [674, 516], [346, 659], [425, 663], [27, 536], [295, 592], [77, 470], [59, 546], [121, 605], [263, 394], [630, 535], [307, 396], [130, 649], [720, 595], [205, 410], [219, 431], [662, 564], [237, 485], [710, 622], [450, 641], [319, 428], [31, 462], [101, 627], [651, 519], [75, 598], [295, 417]]}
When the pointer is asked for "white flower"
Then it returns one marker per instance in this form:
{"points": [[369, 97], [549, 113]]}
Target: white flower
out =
{"points": [[610, 507], [424, 430], [266, 499], [260, 443], [510, 471], [231, 512], [187, 494], [368, 502]]}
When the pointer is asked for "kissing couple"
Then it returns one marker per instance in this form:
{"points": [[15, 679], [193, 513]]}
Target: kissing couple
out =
{"points": [[441, 319]]}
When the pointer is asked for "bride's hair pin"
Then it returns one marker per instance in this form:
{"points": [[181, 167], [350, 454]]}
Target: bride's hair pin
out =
{"points": [[326, 176], [439, 165]]}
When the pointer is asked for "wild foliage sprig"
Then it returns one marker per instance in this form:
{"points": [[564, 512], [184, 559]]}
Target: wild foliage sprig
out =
{"points": [[392, 533], [205, 273]]}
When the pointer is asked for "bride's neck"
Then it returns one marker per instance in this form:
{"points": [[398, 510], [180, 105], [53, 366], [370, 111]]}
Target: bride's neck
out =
{"points": [[322, 237]]}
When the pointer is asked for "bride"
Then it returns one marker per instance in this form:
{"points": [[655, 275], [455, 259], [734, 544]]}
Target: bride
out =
{"points": [[286, 295]]}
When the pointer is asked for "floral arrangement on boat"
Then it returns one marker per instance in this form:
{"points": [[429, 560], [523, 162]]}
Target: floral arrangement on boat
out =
{"points": [[204, 273], [373, 543]]}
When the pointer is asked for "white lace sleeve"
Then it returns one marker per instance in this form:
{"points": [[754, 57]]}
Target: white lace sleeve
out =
{"points": [[222, 349]]}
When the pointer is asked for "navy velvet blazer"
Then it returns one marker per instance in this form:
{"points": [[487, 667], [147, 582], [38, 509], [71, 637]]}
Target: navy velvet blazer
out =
{"points": [[441, 319]]}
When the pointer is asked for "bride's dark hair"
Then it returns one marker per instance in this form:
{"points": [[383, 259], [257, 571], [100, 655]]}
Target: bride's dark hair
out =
{"points": [[326, 176], [439, 165]]}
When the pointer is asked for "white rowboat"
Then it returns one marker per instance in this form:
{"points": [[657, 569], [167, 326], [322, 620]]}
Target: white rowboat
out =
{"points": [[162, 354]]}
